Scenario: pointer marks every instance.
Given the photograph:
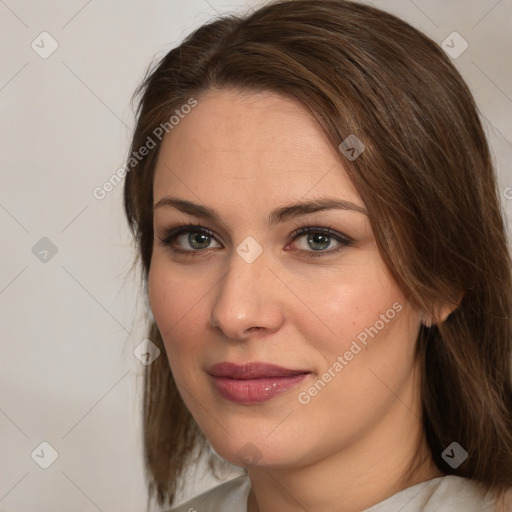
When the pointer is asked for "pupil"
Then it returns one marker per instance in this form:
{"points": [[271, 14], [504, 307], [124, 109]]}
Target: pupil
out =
{"points": [[319, 239]]}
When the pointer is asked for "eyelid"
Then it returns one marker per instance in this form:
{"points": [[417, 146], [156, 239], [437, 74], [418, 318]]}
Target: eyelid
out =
{"points": [[327, 229], [301, 229]]}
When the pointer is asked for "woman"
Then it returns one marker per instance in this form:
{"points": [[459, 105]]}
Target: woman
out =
{"points": [[317, 218]]}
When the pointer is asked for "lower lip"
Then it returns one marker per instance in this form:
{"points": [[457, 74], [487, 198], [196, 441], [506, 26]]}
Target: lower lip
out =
{"points": [[252, 391]]}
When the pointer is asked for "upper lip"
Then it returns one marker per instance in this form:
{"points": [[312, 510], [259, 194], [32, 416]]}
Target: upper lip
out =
{"points": [[253, 370]]}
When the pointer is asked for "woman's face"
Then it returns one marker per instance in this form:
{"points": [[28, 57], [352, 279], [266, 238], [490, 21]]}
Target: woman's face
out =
{"points": [[248, 288]]}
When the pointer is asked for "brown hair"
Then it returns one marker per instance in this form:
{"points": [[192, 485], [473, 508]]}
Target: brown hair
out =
{"points": [[426, 179]]}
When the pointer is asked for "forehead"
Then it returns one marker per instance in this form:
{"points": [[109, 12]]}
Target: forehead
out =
{"points": [[255, 148]]}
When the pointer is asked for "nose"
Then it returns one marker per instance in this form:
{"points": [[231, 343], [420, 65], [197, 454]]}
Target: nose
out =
{"points": [[246, 300]]}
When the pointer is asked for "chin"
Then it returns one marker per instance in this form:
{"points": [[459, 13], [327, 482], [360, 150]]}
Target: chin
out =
{"points": [[254, 451]]}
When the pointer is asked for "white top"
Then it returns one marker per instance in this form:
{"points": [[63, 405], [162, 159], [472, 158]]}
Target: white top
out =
{"points": [[442, 494]]}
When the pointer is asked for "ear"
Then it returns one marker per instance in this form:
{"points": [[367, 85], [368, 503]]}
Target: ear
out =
{"points": [[441, 312]]}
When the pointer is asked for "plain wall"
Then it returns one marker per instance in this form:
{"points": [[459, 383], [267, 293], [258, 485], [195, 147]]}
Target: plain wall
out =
{"points": [[70, 324]]}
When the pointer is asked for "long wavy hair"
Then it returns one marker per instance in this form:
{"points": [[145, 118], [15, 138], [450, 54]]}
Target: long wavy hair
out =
{"points": [[426, 179]]}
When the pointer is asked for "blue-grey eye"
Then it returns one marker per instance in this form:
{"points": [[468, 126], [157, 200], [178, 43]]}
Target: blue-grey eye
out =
{"points": [[196, 240], [199, 240], [319, 241]]}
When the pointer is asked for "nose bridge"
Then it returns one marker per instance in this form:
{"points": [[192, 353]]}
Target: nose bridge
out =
{"points": [[244, 298]]}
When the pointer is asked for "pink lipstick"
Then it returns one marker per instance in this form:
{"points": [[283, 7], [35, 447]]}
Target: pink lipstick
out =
{"points": [[252, 383]]}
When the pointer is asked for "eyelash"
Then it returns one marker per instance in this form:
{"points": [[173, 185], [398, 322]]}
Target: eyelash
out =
{"points": [[172, 233]]}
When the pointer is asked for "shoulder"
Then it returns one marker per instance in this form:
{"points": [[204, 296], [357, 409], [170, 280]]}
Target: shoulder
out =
{"points": [[452, 492], [455, 491], [442, 494], [230, 496]]}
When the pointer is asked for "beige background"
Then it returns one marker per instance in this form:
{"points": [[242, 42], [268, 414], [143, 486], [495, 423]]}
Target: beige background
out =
{"points": [[69, 326]]}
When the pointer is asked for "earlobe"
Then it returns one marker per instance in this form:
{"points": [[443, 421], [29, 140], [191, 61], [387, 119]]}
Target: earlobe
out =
{"points": [[441, 313], [426, 322]]}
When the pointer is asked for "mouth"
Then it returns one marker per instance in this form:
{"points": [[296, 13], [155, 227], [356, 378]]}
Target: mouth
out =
{"points": [[252, 383]]}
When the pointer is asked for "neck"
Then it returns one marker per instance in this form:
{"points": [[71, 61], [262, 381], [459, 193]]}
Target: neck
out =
{"points": [[353, 489], [293, 500], [359, 475]]}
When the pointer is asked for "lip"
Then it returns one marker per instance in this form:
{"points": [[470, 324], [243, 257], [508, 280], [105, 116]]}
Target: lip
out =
{"points": [[254, 382]]}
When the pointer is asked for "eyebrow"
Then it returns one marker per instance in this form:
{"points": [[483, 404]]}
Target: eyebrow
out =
{"points": [[275, 217]]}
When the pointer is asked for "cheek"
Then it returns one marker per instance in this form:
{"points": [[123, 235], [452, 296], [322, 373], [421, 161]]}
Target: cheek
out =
{"points": [[175, 301], [162, 299], [368, 350], [342, 308]]}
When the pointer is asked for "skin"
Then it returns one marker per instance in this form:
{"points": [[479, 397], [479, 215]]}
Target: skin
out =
{"points": [[243, 155]]}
